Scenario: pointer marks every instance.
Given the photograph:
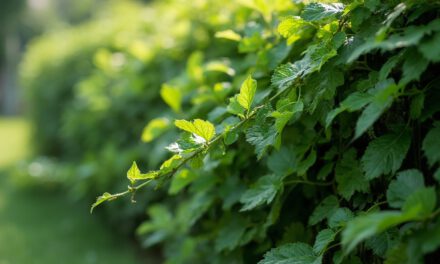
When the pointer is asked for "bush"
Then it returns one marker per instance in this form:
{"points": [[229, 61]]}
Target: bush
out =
{"points": [[317, 142], [308, 131]]}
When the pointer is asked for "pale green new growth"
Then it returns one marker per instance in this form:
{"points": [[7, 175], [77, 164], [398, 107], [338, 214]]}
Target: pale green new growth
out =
{"points": [[247, 93], [199, 127]]}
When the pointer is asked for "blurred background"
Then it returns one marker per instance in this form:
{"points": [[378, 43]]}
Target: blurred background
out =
{"points": [[79, 81], [55, 56]]}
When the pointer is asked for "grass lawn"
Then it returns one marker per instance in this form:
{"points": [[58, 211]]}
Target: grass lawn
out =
{"points": [[37, 226]]}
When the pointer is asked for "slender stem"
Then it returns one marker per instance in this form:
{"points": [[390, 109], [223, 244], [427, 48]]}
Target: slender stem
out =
{"points": [[308, 182]]}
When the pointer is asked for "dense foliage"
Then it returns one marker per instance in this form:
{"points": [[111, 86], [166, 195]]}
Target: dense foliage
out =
{"points": [[308, 131]]}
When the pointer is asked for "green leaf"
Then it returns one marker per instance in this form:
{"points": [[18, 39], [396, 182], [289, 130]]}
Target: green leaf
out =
{"points": [[409, 37], [385, 154], [134, 174], [366, 226], [384, 93], [431, 144], [282, 162], [353, 102], [201, 128], [413, 67], [423, 201], [349, 176], [429, 47], [324, 210], [340, 218], [322, 240], [104, 197], [321, 11], [247, 93], [228, 34], [286, 74], [294, 253], [155, 128], [262, 134], [293, 28], [230, 234], [180, 180], [172, 96], [170, 164], [235, 108], [262, 192], [406, 183]]}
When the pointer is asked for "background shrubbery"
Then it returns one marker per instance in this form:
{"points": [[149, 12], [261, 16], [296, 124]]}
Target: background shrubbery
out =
{"points": [[321, 141]]}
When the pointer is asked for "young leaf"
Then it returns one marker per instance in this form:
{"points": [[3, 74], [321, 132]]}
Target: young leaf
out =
{"points": [[104, 197], [294, 253], [292, 28], [247, 93], [155, 128], [321, 11], [406, 183], [133, 173], [201, 128], [228, 34], [431, 144], [262, 192], [322, 240], [385, 154], [172, 96]]}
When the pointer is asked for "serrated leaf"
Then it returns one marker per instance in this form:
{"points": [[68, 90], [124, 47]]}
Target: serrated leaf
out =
{"points": [[201, 128], [134, 174], [385, 154], [262, 192], [172, 96], [292, 28], [286, 74], [262, 134], [405, 184], [104, 197], [247, 93], [322, 240], [340, 217], [282, 162], [349, 176], [431, 144], [422, 200], [321, 11], [413, 67], [324, 210], [294, 253], [384, 93], [155, 128]]}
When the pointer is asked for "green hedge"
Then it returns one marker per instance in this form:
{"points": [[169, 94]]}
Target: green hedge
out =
{"points": [[308, 130]]}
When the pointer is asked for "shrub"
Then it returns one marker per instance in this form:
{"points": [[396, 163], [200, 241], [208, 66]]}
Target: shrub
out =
{"points": [[316, 142]]}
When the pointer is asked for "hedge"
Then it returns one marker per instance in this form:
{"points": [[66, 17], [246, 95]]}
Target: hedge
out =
{"points": [[314, 141]]}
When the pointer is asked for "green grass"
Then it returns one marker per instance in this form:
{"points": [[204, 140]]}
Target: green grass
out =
{"points": [[37, 226]]}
